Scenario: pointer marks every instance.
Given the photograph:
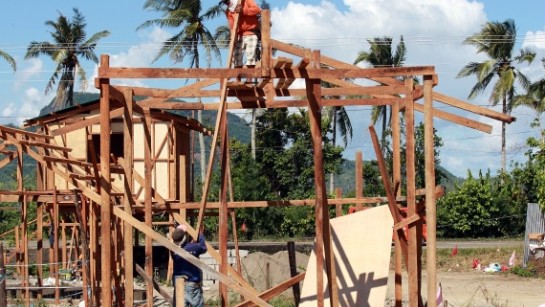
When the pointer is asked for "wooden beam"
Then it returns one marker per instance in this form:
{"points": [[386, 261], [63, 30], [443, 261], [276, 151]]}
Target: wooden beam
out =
{"points": [[276, 290], [128, 185], [456, 119], [85, 122], [233, 284], [148, 214], [472, 108], [431, 214], [323, 228], [149, 280], [410, 160], [105, 189], [44, 145], [25, 133], [399, 235]]}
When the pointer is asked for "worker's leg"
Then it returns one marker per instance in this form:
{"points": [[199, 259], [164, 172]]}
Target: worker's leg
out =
{"points": [[237, 53], [250, 45]]}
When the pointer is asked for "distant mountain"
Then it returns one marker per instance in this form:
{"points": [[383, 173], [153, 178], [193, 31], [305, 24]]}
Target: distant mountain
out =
{"points": [[347, 181], [238, 128]]}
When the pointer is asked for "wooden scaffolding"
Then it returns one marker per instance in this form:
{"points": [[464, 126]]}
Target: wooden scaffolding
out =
{"points": [[107, 212]]}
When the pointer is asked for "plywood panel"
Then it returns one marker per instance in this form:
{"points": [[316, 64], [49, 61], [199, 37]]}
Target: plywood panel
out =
{"points": [[77, 140], [160, 180], [362, 244], [139, 142], [161, 172]]}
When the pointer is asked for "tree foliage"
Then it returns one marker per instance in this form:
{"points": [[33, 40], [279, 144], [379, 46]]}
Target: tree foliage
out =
{"points": [[69, 45]]}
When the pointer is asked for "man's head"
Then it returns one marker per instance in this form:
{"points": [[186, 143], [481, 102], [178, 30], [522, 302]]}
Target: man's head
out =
{"points": [[179, 234]]}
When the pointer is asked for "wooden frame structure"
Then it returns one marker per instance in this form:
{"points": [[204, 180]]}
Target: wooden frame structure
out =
{"points": [[108, 214]]}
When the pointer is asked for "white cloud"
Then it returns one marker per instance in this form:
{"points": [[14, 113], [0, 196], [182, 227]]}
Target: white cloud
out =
{"points": [[34, 68], [141, 55], [433, 31]]}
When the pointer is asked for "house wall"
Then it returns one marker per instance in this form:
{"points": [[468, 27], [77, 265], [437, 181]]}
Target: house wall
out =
{"points": [[169, 174]]}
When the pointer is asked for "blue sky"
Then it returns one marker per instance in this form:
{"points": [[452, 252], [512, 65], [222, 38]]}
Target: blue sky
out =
{"points": [[433, 31]]}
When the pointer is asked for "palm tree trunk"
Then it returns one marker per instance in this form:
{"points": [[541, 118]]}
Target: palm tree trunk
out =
{"points": [[201, 147], [503, 128], [334, 139], [252, 133]]}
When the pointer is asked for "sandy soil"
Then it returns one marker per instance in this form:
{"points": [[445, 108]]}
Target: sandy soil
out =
{"points": [[475, 288], [467, 288]]}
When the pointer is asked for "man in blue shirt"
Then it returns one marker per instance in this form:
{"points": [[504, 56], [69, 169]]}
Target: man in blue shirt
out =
{"points": [[184, 269]]}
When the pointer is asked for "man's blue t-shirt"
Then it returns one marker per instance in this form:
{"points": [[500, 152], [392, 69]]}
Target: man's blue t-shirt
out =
{"points": [[183, 267]]}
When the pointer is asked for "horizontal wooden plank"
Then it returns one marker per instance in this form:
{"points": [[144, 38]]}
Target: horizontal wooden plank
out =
{"points": [[24, 132], [456, 119], [472, 108], [284, 72], [44, 145]]}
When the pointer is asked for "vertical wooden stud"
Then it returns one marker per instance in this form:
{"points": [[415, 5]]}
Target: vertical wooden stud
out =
{"points": [[431, 213], [105, 191], [128, 159]]}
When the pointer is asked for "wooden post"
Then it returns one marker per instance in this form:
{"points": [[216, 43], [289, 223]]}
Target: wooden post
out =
{"points": [[338, 207], [81, 218], [221, 111], [128, 139], [396, 170], [26, 281], [106, 189], [412, 265], [293, 272], [429, 153], [323, 231], [359, 178], [3, 297], [147, 200], [156, 286], [39, 246], [223, 211], [180, 291], [266, 43], [55, 265]]}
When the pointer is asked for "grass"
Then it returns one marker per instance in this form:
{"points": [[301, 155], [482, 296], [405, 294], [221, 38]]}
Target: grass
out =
{"points": [[464, 260]]}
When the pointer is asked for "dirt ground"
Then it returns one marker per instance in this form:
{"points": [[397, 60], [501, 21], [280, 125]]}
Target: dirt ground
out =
{"points": [[474, 288], [464, 287]]}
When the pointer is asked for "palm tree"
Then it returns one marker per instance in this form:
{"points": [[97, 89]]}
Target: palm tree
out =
{"points": [[8, 59], [68, 46], [380, 54], [337, 118], [497, 41], [194, 34], [535, 99]]}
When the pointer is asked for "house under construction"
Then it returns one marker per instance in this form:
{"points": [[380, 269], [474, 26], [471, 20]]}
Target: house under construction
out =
{"points": [[105, 169]]}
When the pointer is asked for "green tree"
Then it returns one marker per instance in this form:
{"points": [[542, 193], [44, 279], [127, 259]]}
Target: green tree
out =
{"points": [[193, 35], [535, 99], [497, 41], [380, 54], [336, 117], [8, 59], [419, 157], [474, 209], [68, 46]]}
